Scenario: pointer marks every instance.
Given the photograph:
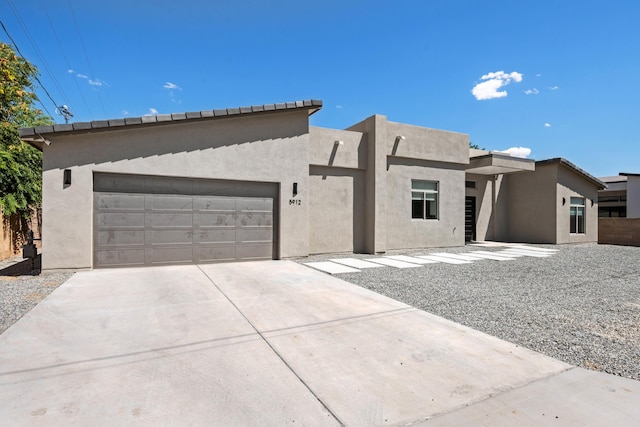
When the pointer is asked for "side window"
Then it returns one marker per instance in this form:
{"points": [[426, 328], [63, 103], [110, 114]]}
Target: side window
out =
{"points": [[424, 199], [576, 215]]}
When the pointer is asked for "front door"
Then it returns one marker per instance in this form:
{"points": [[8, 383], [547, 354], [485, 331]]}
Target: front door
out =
{"points": [[469, 218]]}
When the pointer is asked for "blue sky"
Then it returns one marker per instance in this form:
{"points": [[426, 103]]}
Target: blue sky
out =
{"points": [[558, 78]]}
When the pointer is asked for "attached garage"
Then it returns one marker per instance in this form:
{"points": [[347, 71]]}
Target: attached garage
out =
{"points": [[153, 220]]}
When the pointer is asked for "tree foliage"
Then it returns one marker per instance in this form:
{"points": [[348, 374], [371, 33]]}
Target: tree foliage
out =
{"points": [[20, 163]]}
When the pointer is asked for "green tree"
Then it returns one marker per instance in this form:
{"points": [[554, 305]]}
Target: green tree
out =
{"points": [[20, 163]]}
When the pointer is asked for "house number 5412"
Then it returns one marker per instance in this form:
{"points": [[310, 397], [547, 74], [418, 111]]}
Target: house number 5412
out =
{"points": [[295, 202]]}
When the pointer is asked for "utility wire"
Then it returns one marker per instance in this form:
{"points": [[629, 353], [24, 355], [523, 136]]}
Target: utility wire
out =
{"points": [[64, 55], [35, 75], [86, 57], [43, 61]]}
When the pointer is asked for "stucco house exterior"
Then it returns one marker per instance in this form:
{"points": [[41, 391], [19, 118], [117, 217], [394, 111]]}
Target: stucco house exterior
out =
{"points": [[619, 210], [260, 183]]}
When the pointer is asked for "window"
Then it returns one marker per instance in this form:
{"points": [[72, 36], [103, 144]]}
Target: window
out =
{"points": [[424, 199], [576, 215]]}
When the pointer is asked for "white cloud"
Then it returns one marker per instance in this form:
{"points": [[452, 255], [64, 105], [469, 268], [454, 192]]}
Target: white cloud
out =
{"points": [[538, 75], [492, 82], [339, 107], [152, 112], [125, 113], [554, 88], [70, 71], [521, 152], [82, 76], [533, 91], [547, 125], [171, 86], [96, 82]]}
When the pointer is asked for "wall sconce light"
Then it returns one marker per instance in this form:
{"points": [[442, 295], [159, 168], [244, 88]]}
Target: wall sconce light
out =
{"points": [[564, 201], [591, 202], [295, 188], [339, 143], [66, 180], [400, 138]]}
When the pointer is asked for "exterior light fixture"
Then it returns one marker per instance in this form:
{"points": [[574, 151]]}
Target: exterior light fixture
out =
{"points": [[400, 138], [295, 188], [66, 180], [339, 142]]}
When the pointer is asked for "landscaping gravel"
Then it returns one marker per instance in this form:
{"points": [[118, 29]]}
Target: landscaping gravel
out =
{"points": [[22, 288], [581, 305]]}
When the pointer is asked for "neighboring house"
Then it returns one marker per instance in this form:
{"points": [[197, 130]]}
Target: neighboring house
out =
{"points": [[260, 183], [621, 198], [619, 210]]}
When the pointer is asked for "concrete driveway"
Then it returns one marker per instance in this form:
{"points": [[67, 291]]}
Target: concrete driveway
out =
{"points": [[275, 343]]}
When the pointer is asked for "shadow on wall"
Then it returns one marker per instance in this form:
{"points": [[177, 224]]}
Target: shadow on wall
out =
{"points": [[171, 138]]}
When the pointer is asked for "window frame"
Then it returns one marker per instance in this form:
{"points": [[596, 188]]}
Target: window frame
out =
{"points": [[577, 225], [426, 194]]}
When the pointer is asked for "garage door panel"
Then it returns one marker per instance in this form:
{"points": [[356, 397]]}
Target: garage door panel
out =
{"points": [[170, 203], [121, 202], [260, 219], [170, 237], [120, 237], [159, 220], [120, 219], [120, 257], [170, 255], [254, 251], [217, 253], [215, 219], [217, 235], [254, 204], [218, 204], [254, 234], [171, 219]]}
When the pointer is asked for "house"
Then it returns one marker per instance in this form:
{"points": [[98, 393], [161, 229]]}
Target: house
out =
{"points": [[619, 210], [260, 183], [621, 198]]}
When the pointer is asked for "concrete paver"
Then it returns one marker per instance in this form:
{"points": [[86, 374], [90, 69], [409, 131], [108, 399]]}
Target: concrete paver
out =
{"points": [[273, 343]]}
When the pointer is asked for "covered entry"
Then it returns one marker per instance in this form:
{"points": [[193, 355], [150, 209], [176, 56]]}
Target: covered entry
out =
{"points": [[151, 220]]}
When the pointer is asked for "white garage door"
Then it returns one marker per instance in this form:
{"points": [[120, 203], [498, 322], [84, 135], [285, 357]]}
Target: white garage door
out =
{"points": [[143, 220]]}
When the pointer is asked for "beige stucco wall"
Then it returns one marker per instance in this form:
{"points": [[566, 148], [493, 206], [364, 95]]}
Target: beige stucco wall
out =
{"points": [[486, 226], [633, 196], [430, 155], [570, 184], [531, 208], [268, 147], [337, 190]]}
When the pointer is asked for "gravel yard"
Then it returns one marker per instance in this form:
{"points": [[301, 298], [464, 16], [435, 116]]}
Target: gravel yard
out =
{"points": [[22, 288], [581, 305]]}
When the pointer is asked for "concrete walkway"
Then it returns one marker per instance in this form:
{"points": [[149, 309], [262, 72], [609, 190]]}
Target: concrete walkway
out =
{"points": [[276, 343]]}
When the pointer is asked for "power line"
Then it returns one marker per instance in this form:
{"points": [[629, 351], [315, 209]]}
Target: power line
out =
{"points": [[25, 59], [43, 61], [75, 80], [86, 57]]}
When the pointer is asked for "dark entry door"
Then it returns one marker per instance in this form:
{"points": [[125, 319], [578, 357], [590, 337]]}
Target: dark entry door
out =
{"points": [[469, 218]]}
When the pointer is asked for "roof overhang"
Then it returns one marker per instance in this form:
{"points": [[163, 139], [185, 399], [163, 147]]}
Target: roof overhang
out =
{"points": [[575, 169], [38, 136], [495, 164]]}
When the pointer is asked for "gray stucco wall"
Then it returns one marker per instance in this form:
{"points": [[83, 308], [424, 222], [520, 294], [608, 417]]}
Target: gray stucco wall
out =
{"points": [[268, 147], [570, 185], [337, 190], [484, 194], [633, 196], [531, 208]]}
